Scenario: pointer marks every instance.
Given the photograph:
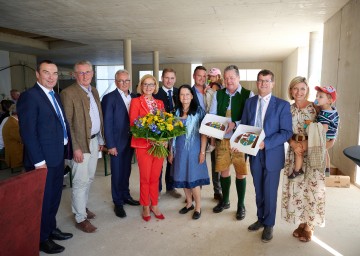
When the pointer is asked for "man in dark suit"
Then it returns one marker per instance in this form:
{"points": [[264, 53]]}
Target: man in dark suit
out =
{"points": [[115, 107], [273, 116], [168, 94], [45, 134]]}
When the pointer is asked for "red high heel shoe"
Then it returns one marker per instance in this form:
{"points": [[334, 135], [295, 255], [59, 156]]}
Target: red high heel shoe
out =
{"points": [[160, 216], [146, 218]]}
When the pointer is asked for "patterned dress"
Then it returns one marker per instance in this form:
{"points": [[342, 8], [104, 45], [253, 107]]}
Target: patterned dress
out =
{"points": [[303, 198]]}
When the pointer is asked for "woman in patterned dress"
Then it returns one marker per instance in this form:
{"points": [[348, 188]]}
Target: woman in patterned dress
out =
{"points": [[303, 198]]}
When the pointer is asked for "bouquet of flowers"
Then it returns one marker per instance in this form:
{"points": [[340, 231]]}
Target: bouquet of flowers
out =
{"points": [[159, 127]]}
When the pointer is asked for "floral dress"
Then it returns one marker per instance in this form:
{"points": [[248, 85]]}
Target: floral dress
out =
{"points": [[303, 198]]}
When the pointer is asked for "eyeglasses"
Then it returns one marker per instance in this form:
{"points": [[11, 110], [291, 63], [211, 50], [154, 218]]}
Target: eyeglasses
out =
{"points": [[127, 81], [260, 81], [149, 85], [86, 73]]}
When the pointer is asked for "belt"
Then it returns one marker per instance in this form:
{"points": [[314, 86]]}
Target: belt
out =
{"points": [[93, 136], [299, 137]]}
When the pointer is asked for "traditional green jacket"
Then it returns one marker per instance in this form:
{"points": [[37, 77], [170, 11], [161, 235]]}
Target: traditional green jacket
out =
{"points": [[237, 103]]}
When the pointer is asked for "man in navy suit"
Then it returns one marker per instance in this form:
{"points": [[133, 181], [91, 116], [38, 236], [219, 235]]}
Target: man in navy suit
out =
{"points": [[45, 134], [115, 106], [168, 93], [273, 116]]}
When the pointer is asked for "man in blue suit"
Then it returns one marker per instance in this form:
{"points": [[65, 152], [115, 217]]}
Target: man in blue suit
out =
{"points": [[45, 135], [168, 94], [115, 106], [273, 116]]}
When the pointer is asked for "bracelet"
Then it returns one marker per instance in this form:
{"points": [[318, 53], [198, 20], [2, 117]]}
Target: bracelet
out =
{"points": [[203, 153]]}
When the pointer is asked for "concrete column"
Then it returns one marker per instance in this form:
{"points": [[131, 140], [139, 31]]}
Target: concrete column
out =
{"points": [[127, 56], [315, 58], [156, 64]]}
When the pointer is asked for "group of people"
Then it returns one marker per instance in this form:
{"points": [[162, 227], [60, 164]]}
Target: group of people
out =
{"points": [[76, 125], [9, 133]]}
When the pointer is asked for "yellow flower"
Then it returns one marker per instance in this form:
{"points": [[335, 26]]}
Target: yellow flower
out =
{"points": [[169, 127], [150, 119]]}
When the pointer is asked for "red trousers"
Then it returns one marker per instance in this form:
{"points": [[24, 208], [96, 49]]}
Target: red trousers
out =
{"points": [[149, 168]]}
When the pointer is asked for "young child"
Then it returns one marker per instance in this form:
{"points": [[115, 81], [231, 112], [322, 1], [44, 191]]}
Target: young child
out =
{"points": [[214, 83], [329, 117]]}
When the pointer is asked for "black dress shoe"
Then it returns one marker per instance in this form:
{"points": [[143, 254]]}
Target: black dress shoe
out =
{"points": [[218, 196], [186, 210], [255, 226], [119, 211], [240, 213], [131, 201], [221, 206], [50, 247], [196, 215], [58, 235], [267, 234]]}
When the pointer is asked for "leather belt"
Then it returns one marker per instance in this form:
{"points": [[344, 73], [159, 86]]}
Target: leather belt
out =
{"points": [[93, 136], [299, 137]]}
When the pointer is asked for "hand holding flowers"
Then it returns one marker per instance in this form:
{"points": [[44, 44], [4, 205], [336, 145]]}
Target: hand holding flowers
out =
{"points": [[158, 127]]}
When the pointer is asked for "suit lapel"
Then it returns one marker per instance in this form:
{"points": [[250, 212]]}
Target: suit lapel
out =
{"points": [[46, 99], [270, 109], [143, 104]]}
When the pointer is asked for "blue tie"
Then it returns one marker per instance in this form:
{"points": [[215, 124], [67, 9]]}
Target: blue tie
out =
{"points": [[258, 121], [58, 113], [171, 106]]}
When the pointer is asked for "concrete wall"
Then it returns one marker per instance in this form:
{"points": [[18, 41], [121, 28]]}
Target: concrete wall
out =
{"points": [[5, 77], [341, 64], [23, 74]]}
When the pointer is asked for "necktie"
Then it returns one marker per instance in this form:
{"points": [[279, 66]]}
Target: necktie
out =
{"points": [[258, 121], [171, 106], [58, 113]]}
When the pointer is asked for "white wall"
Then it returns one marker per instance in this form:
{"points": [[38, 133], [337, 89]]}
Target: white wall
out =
{"points": [[296, 64]]}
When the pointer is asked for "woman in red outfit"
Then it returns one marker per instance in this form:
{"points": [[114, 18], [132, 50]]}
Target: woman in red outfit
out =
{"points": [[149, 166]]}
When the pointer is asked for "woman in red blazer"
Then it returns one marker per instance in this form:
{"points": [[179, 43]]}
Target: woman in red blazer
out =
{"points": [[149, 166]]}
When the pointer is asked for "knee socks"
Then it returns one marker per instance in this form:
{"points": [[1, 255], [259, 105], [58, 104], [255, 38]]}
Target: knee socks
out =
{"points": [[225, 186], [241, 188]]}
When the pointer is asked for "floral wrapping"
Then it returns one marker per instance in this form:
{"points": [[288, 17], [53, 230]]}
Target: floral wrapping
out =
{"points": [[303, 198]]}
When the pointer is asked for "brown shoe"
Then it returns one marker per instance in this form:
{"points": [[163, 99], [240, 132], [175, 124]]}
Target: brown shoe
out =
{"points": [[86, 226], [90, 215]]}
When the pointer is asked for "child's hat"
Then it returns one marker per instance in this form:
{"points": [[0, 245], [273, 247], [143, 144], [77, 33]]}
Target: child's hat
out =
{"points": [[214, 72], [328, 90]]}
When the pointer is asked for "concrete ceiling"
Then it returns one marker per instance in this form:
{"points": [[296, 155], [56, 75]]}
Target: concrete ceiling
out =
{"points": [[183, 31]]}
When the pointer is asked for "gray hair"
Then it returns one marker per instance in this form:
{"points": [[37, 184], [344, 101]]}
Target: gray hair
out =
{"points": [[232, 67], [83, 62], [122, 71]]}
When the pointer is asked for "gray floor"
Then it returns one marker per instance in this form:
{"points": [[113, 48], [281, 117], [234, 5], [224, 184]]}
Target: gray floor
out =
{"points": [[212, 234]]}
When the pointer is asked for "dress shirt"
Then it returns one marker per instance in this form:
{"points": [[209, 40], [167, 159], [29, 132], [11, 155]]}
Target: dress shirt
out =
{"points": [[126, 99], [201, 98], [266, 100], [94, 111]]}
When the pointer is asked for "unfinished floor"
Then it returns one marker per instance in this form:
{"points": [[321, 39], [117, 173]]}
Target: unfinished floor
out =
{"points": [[212, 234]]}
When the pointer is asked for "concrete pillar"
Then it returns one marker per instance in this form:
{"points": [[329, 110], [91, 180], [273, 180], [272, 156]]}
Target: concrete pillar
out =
{"points": [[315, 60], [127, 56], [156, 64]]}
